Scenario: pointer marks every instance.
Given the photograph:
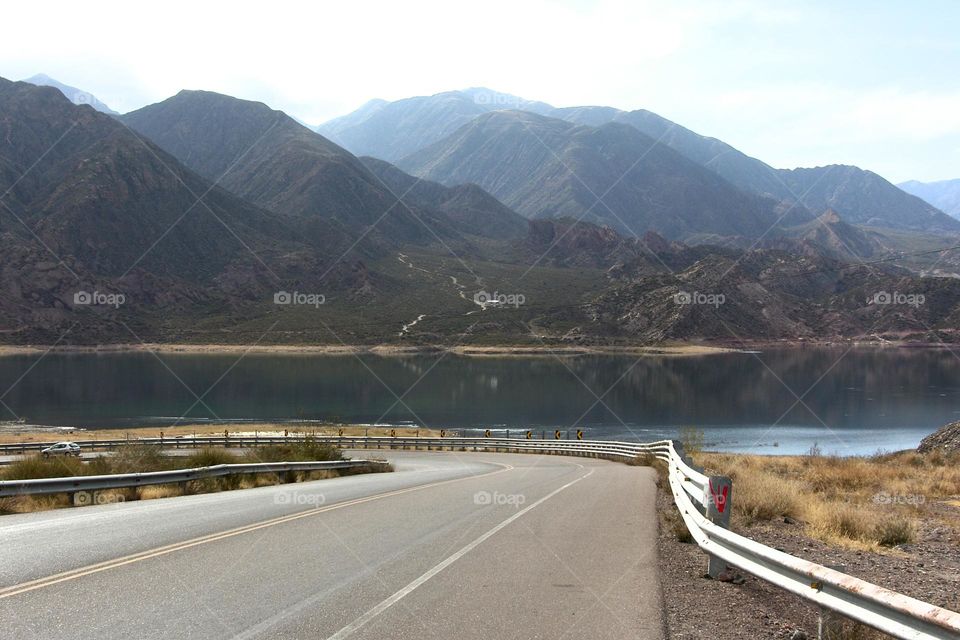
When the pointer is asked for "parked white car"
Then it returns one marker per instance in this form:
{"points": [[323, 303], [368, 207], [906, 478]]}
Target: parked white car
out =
{"points": [[61, 449]]}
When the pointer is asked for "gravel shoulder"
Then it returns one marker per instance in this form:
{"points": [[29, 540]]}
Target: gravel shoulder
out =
{"points": [[698, 607]]}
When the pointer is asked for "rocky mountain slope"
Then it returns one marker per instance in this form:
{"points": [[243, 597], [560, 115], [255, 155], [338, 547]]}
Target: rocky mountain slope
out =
{"points": [[469, 208], [766, 294], [88, 205]]}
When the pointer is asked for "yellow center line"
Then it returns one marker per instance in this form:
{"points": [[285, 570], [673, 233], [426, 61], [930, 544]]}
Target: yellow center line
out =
{"points": [[73, 574]]}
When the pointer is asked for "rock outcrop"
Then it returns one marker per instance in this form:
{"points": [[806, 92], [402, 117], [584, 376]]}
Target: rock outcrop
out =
{"points": [[945, 439]]}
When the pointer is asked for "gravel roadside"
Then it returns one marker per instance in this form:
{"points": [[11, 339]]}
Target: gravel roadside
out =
{"points": [[698, 607]]}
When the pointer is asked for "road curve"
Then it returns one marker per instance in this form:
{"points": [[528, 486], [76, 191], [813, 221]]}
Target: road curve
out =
{"points": [[466, 545]]}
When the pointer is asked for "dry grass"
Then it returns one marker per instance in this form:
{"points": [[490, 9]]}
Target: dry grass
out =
{"points": [[210, 457], [29, 504], [856, 502], [160, 491]]}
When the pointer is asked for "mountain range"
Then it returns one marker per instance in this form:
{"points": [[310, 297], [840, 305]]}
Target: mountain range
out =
{"points": [[202, 209], [860, 196]]}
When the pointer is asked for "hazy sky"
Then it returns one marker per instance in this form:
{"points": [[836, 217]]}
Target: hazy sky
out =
{"points": [[876, 84]]}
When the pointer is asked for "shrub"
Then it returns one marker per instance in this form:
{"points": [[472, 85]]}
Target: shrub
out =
{"points": [[210, 457], [761, 496], [39, 467], [308, 450], [890, 532]]}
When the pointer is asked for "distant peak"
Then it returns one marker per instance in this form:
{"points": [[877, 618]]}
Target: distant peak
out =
{"points": [[40, 77], [73, 94]]}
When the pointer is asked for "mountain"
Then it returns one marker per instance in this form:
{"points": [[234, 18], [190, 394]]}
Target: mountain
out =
{"points": [[269, 159], [392, 130], [88, 205], [944, 195], [861, 197], [864, 198], [543, 167], [739, 169], [74, 95]]}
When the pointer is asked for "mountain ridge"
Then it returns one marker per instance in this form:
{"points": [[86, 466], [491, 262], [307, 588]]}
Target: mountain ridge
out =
{"points": [[860, 196], [545, 167], [942, 194]]}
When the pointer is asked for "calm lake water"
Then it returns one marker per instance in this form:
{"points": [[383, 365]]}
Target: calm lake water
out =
{"points": [[783, 401]]}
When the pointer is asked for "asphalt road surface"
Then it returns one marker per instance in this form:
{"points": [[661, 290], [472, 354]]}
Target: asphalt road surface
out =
{"points": [[452, 545]]}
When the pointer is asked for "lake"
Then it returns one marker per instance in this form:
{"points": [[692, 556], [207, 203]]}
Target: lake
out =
{"points": [[776, 401]]}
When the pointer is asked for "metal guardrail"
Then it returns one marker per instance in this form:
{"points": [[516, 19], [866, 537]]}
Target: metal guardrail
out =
{"points": [[74, 484], [703, 501]]}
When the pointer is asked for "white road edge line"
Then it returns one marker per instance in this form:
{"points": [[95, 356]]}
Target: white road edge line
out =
{"points": [[348, 630]]}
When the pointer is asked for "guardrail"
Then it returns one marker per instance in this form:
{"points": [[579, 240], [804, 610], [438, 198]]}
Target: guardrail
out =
{"points": [[704, 503], [74, 484]]}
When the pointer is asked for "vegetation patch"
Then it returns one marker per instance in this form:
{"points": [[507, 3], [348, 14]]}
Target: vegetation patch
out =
{"points": [[138, 458], [863, 502]]}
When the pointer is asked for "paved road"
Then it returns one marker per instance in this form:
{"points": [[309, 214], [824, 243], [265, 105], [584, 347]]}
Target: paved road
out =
{"points": [[467, 545]]}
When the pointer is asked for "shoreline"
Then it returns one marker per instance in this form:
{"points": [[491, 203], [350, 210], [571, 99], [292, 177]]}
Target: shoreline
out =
{"points": [[661, 350], [41, 433], [381, 349]]}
